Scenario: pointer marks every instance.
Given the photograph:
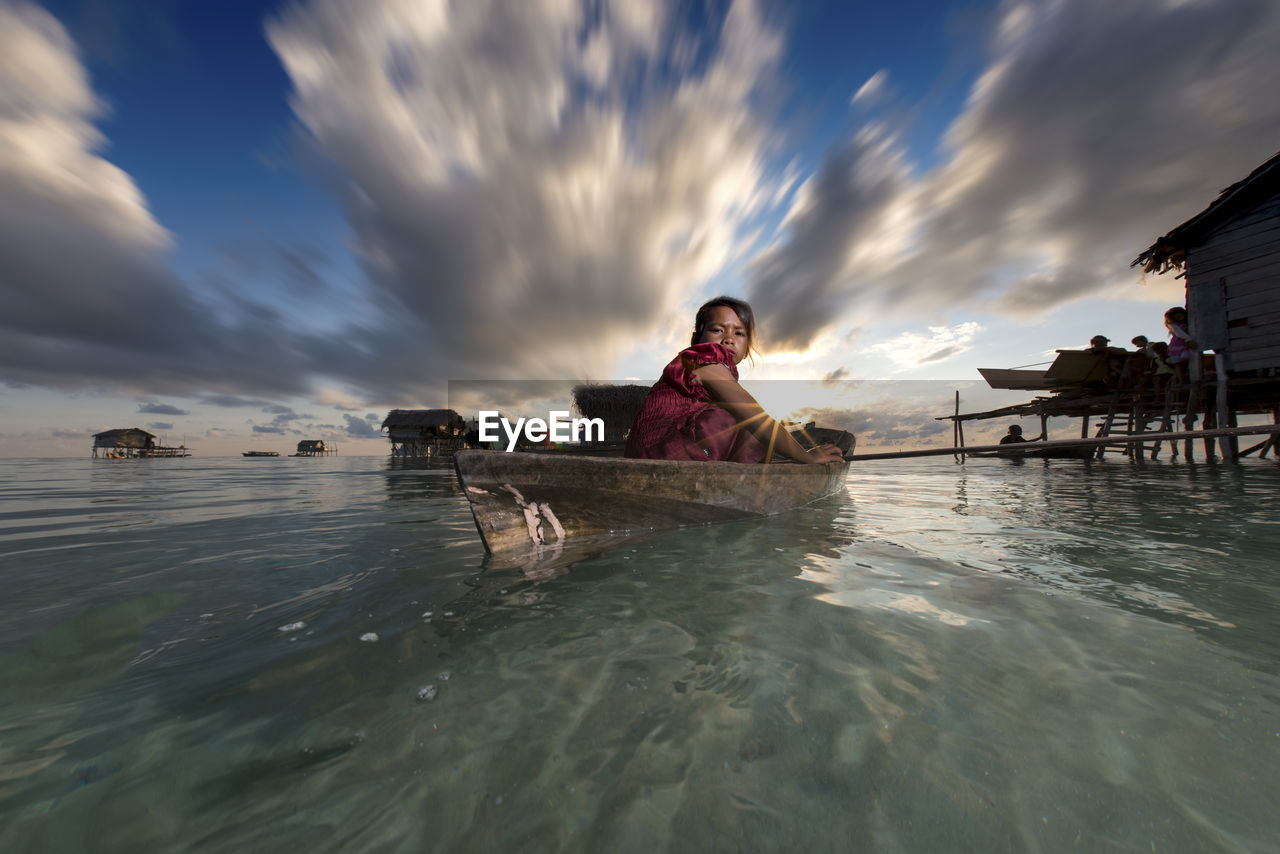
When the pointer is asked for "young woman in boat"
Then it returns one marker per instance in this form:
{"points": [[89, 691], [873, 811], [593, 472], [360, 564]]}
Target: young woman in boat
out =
{"points": [[697, 410]]}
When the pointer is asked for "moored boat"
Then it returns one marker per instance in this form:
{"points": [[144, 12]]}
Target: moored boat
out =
{"points": [[261, 454], [535, 502]]}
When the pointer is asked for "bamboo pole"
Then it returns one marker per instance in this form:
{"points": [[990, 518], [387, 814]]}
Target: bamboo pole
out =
{"points": [[1189, 435], [955, 425]]}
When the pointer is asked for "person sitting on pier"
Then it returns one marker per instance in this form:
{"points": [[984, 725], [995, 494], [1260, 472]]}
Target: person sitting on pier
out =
{"points": [[1139, 366], [1115, 358], [1014, 436]]}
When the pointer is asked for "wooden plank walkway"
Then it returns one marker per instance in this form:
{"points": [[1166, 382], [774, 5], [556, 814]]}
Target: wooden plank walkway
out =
{"points": [[1075, 443]]}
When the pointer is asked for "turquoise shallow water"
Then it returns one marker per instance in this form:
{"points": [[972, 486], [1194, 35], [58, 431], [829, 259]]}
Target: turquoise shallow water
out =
{"points": [[991, 656]]}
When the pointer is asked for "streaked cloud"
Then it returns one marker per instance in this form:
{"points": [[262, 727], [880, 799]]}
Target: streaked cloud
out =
{"points": [[161, 409], [871, 91], [529, 184], [89, 298], [230, 400], [533, 187], [913, 349], [1095, 127], [853, 221]]}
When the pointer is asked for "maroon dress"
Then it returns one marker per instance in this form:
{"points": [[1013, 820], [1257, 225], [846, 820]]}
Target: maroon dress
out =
{"points": [[680, 422]]}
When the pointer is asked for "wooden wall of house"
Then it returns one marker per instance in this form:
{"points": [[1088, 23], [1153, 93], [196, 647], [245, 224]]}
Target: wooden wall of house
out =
{"points": [[125, 439], [1233, 288]]}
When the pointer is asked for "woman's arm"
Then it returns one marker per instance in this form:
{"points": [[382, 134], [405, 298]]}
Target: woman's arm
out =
{"points": [[726, 392]]}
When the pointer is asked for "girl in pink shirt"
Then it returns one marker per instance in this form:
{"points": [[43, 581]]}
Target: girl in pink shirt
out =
{"points": [[698, 411]]}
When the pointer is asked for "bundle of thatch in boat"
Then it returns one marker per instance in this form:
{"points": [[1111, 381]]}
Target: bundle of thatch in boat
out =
{"points": [[616, 405]]}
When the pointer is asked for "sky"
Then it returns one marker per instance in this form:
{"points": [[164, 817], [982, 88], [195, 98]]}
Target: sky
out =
{"points": [[241, 224]]}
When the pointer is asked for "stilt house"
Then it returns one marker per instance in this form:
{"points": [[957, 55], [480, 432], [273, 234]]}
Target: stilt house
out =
{"points": [[125, 442], [133, 443], [1230, 254], [314, 448], [424, 432]]}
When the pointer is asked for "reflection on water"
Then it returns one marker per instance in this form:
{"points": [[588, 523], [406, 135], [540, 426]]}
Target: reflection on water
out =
{"points": [[1050, 656]]}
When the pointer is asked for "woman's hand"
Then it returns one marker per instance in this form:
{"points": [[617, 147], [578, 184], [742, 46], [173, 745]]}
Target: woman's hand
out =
{"points": [[825, 454]]}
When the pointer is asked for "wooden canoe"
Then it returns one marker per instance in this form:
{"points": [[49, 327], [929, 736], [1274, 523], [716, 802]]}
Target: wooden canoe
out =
{"points": [[534, 502]]}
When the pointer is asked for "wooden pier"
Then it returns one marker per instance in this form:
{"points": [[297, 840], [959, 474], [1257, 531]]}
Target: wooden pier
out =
{"points": [[1229, 254]]}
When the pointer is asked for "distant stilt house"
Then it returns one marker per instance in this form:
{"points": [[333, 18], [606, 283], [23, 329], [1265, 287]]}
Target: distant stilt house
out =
{"points": [[1230, 254], [132, 443], [616, 405], [424, 432], [315, 448]]}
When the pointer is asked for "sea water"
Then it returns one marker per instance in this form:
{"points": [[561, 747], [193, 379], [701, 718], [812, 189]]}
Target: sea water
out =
{"points": [[316, 654]]}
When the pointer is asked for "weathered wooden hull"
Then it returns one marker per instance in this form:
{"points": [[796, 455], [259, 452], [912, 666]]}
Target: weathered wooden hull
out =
{"points": [[538, 501]]}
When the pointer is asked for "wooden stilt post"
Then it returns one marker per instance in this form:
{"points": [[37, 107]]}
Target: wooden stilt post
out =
{"points": [[1223, 414], [957, 439]]}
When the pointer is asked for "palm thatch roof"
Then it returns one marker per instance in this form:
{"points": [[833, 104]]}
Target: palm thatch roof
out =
{"points": [[125, 437], [422, 418], [1170, 251]]}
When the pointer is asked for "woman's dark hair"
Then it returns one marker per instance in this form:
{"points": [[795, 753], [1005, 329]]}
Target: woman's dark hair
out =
{"points": [[740, 308]]}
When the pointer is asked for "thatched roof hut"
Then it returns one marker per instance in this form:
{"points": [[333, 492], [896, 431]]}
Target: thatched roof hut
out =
{"points": [[616, 405], [409, 424], [424, 432]]}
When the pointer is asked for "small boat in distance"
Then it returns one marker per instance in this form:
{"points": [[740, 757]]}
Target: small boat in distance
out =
{"points": [[261, 454], [542, 502]]}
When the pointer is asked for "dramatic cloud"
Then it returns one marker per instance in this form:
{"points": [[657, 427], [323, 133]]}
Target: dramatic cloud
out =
{"points": [[1096, 127], [160, 425], [532, 187], [87, 294], [852, 217], [366, 428], [530, 184]]}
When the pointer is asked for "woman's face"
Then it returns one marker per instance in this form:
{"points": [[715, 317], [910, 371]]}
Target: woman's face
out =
{"points": [[725, 328]]}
